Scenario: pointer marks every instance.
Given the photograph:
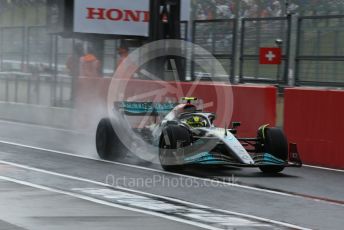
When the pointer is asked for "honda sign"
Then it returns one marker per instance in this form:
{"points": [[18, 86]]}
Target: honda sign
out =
{"points": [[119, 17]]}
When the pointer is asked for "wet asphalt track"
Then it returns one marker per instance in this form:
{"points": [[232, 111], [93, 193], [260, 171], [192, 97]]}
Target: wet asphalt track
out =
{"points": [[306, 197]]}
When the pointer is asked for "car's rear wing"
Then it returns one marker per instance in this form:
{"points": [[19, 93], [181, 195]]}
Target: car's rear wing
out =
{"points": [[144, 108]]}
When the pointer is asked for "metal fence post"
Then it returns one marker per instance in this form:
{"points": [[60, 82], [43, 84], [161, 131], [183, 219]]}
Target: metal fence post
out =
{"points": [[234, 51], [7, 97], [15, 88], [28, 93], [1, 49], [297, 59], [192, 74], [287, 52], [242, 44], [54, 82], [38, 89], [24, 47], [318, 52], [293, 36], [259, 32], [335, 51], [213, 52]]}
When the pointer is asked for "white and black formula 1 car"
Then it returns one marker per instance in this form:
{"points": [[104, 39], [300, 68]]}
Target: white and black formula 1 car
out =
{"points": [[187, 136]]}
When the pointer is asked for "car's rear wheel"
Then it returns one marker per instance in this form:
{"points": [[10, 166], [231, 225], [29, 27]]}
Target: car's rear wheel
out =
{"points": [[274, 142], [172, 140], [109, 146]]}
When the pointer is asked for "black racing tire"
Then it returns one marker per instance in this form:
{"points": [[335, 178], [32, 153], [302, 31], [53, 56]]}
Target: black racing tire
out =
{"points": [[109, 146], [175, 134], [275, 143]]}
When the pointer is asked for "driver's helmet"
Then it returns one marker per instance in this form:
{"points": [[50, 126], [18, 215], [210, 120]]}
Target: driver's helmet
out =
{"points": [[196, 121]]}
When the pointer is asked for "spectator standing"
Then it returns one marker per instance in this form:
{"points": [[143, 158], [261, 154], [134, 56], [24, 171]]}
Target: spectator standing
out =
{"points": [[89, 65]]}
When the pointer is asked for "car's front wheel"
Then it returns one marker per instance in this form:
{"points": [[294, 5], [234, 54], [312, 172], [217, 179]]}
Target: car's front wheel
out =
{"points": [[275, 143]]}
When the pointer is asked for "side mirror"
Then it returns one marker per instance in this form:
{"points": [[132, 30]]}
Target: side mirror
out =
{"points": [[236, 125]]}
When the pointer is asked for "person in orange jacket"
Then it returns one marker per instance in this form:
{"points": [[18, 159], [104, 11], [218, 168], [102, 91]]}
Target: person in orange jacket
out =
{"points": [[89, 65]]}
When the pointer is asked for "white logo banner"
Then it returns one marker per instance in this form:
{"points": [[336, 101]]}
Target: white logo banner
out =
{"points": [[118, 17]]}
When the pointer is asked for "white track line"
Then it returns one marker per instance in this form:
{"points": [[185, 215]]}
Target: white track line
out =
{"points": [[148, 194], [324, 168], [102, 202]]}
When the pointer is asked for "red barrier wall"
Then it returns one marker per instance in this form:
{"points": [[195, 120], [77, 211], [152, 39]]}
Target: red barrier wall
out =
{"points": [[314, 119], [252, 105]]}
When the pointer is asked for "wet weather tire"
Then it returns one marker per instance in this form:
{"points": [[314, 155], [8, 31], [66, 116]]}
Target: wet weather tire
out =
{"points": [[109, 146], [275, 143]]}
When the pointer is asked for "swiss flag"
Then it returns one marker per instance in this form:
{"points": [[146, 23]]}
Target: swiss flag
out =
{"points": [[270, 56]]}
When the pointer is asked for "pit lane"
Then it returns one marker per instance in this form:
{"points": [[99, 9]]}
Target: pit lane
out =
{"points": [[306, 197]]}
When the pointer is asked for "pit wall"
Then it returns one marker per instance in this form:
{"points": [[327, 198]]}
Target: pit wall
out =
{"points": [[36, 114], [252, 105], [314, 119]]}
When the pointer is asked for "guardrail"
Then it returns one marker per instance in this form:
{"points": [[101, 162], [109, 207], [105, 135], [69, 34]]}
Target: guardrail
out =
{"points": [[38, 89]]}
